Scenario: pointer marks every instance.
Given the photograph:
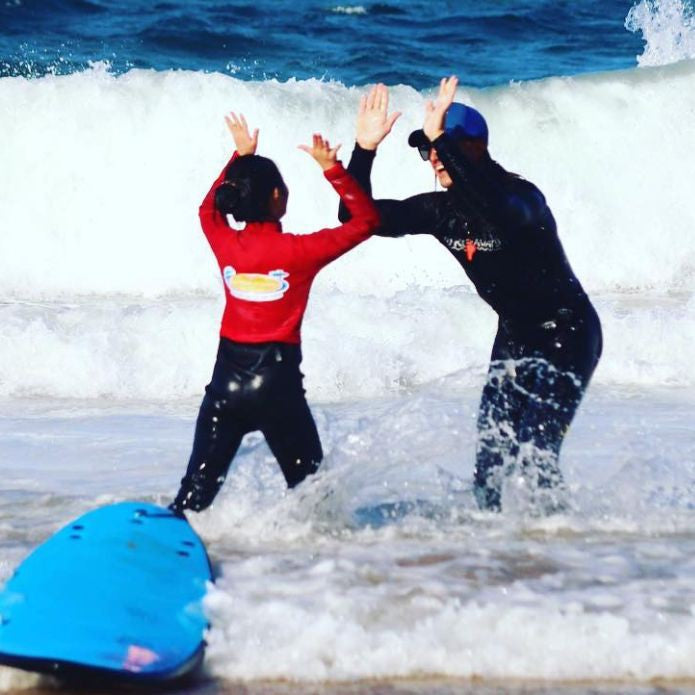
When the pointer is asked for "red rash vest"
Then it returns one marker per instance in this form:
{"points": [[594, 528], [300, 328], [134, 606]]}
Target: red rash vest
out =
{"points": [[267, 274]]}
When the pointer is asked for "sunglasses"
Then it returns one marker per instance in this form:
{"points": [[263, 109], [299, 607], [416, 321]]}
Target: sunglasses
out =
{"points": [[425, 148]]}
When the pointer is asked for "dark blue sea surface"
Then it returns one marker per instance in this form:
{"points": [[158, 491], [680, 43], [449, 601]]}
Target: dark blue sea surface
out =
{"points": [[406, 42]]}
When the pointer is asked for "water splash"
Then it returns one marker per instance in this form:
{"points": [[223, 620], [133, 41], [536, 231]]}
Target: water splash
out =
{"points": [[668, 28]]}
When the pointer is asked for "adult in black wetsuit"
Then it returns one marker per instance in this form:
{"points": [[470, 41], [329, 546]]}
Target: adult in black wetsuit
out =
{"points": [[499, 228]]}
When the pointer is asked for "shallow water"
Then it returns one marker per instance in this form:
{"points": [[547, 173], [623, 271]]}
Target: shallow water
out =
{"points": [[604, 592]]}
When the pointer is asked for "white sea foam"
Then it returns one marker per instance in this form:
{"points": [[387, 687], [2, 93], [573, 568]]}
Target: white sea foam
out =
{"points": [[668, 29], [343, 630], [111, 290], [101, 196], [354, 346], [309, 591], [451, 591], [14, 680], [349, 9]]}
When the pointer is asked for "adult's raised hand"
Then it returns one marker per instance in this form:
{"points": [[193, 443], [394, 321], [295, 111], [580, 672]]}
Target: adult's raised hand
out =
{"points": [[435, 111], [374, 122]]}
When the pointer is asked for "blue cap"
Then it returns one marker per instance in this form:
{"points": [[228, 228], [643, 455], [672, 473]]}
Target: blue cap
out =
{"points": [[461, 121], [465, 122]]}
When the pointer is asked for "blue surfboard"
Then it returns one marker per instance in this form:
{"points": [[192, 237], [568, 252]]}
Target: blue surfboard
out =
{"points": [[115, 594]]}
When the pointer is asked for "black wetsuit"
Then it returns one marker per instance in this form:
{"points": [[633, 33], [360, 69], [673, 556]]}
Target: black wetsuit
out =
{"points": [[253, 387], [499, 228]]}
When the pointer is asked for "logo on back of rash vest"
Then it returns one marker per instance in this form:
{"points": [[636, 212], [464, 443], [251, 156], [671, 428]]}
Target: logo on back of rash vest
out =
{"points": [[256, 287]]}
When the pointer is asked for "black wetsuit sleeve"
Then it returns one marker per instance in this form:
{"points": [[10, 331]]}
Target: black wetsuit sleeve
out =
{"points": [[360, 167], [487, 191], [419, 214]]}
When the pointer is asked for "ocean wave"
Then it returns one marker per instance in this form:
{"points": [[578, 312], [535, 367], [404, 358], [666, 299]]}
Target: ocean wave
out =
{"points": [[103, 176], [110, 288], [349, 9], [378, 8], [164, 351], [668, 29]]}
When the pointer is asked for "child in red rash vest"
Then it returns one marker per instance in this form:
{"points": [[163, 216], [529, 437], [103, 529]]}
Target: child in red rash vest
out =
{"points": [[256, 382]]}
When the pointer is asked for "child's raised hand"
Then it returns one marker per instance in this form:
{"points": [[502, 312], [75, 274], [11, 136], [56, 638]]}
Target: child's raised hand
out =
{"points": [[245, 142], [322, 152]]}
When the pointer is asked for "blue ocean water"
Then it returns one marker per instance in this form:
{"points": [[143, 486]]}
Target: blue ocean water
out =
{"points": [[411, 42]]}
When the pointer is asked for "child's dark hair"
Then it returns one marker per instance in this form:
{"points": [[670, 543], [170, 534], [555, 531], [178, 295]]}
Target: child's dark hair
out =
{"points": [[247, 188]]}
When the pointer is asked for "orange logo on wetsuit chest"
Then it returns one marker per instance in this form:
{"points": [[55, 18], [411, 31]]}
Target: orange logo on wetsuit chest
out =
{"points": [[470, 248]]}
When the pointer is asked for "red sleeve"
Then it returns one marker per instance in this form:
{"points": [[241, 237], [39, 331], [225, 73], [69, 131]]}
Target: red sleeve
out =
{"points": [[326, 245], [213, 222]]}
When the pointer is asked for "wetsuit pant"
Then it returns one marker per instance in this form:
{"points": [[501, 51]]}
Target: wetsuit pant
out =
{"points": [[253, 387], [538, 374]]}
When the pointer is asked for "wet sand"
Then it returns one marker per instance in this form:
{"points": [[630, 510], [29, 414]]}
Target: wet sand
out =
{"points": [[388, 687]]}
